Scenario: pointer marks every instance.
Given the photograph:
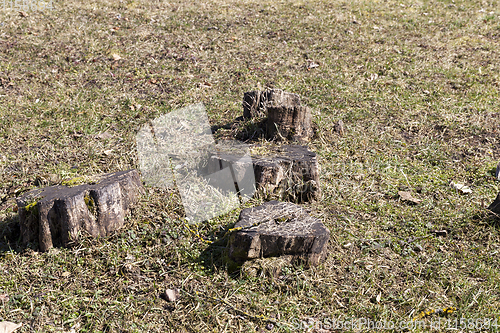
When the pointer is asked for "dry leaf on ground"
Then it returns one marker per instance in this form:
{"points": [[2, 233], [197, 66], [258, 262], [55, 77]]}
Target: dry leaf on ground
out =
{"points": [[170, 295], [406, 196], [105, 135], [461, 188], [8, 327], [312, 65]]}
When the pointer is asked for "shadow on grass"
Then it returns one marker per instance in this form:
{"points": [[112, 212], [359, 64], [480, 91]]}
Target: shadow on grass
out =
{"points": [[488, 217], [244, 130], [10, 235], [214, 258]]}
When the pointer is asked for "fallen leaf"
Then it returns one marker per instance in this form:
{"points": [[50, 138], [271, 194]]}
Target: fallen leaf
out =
{"points": [[372, 77], [170, 295], [115, 56], [418, 248], [406, 196], [461, 188], [312, 65], [104, 135], [443, 233], [65, 274], [107, 152], [8, 327]]}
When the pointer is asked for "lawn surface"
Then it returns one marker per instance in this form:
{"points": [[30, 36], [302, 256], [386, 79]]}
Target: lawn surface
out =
{"points": [[415, 83]]}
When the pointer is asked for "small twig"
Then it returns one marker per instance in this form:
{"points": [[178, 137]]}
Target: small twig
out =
{"points": [[232, 307]]}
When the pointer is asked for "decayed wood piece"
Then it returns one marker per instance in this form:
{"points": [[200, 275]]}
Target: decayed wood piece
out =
{"points": [[286, 117], [57, 215], [278, 229], [288, 172]]}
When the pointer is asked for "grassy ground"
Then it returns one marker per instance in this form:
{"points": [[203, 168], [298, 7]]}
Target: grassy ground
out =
{"points": [[416, 84]]}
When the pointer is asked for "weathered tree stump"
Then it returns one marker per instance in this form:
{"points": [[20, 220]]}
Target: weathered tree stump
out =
{"points": [[286, 117], [57, 215], [278, 229], [253, 105], [495, 205], [289, 172]]}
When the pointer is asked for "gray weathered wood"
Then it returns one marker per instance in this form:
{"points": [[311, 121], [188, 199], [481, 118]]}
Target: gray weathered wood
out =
{"points": [[57, 215], [278, 229], [286, 117]]}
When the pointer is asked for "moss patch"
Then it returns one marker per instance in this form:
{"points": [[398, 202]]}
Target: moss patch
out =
{"points": [[79, 181], [32, 207], [90, 203]]}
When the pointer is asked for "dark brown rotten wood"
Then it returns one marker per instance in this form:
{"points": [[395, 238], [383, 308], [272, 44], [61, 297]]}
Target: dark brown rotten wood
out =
{"points": [[289, 172], [58, 215], [278, 229]]}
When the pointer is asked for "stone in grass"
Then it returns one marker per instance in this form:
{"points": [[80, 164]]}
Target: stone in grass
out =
{"points": [[288, 172], [57, 215], [278, 229]]}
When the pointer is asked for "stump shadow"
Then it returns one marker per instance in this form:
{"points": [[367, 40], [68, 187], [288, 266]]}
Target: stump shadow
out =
{"points": [[244, 130], [214, 258], [10, 235], [488, 217]]}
